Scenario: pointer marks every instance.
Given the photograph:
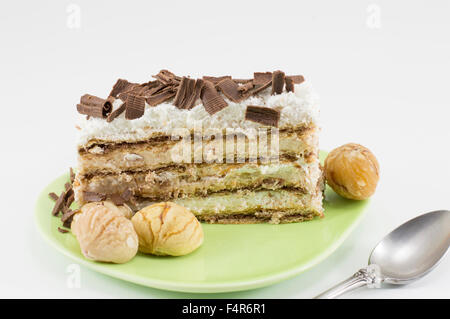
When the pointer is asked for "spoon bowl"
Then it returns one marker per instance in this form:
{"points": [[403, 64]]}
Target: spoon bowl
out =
{"points": [[413, 249]]}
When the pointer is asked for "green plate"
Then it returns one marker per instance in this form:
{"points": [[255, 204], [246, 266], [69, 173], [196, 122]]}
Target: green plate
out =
{"points": [[232, 257]]}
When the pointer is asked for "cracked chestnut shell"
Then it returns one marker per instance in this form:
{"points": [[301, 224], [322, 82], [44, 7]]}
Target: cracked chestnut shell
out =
{"points": [[167, 229], [352, 171]]}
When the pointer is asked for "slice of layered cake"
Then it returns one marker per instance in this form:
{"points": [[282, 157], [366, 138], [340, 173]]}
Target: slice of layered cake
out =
{"points": [[230, 150]]}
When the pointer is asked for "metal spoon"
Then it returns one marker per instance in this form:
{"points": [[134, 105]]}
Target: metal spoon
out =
{"points": [[406, 254]]}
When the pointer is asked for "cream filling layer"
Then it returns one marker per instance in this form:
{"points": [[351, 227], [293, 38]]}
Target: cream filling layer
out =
{"points": [[143, 156], [205, 179], [248, 202]]}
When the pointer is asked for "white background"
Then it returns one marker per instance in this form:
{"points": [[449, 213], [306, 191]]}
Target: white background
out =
{"points": [[381, 68]]}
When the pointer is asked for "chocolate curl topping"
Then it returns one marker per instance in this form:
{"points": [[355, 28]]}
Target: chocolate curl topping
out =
{"points": [[59, 204], [121, 86], [198, 86], [261, 78], [135, 107], [212, 100], [297, 79], [262, 115], [230, 89], [93, 197], [157, 89], [261, 81], [114, 114], [244, 88], [289, 84], [109, 103], [167, 78], [63, 201], [277, 82], [185, 90], [63, 231], [53, 196], [94, 106], [160, 97], [140, 90]]}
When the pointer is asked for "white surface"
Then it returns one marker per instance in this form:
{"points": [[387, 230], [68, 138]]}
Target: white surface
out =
{"points": [[386, 88]]}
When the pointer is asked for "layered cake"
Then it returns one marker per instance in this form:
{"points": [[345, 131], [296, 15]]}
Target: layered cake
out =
{"points": [[230, 150]]}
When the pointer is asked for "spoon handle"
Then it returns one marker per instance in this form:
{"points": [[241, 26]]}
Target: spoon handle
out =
{"points": [[368, 276]]}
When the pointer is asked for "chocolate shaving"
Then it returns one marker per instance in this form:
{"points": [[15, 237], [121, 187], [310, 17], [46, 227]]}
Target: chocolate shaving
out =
{"points": [[152, 84], [66, 198], [94, 106], [123, 96], [121, 86], [64, 201], [70, 199], [109, 103], [65, 209], [296, 78], [90, 111], [67, 218], [159, 89], [151, 87], [166, 77], [72, 175], [261, 78], [68, 222], [63, 231], [230, 89], [262, 115], [290, 80], [212, 100], [92, 100], [67, 215], [188, 93], [160, 98], [59, 204], [69, 196], [289, 84], [246, 87], [216, 79], [185, 90], [135, 107], [260, 88], [116, 112], [120, 199], [93, 197], [53, 196], [277, 82], [138, 90], [198, 86], [261, 81]]}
